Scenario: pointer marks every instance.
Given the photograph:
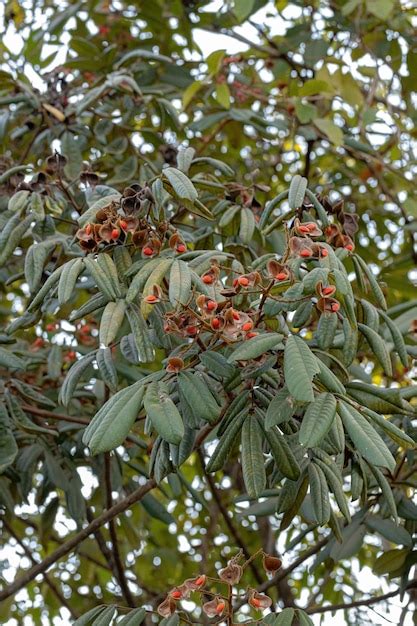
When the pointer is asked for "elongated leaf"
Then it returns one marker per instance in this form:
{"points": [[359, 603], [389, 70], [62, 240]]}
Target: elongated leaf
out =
{"points": [[326, 329], [8, 446], [297, 191], [86, 619], [253, 462], [10, 360], [179, 283], [135, 617], [319, 493], [282, 454], [335, 483], [378, 346], [284, 618], [397, 338], [280, 409], [72, 378], [181, 184], [389, 530], [329, 380], [199, 397], [140, 332], [376, 289], [100, 277], [256, 346], [247, 225], [317, 420], [365, 438], [111, 320], [68, 279], [391, 429], [300, 367], [388, 497], [111, 424], [106, 263], [35, 260], [107, 368], [227, 441], [163, 413]]}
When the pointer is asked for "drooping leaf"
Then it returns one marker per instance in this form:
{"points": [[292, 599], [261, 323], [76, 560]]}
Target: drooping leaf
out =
{"points": [[300, 367], [317, 420], [163, 413]]}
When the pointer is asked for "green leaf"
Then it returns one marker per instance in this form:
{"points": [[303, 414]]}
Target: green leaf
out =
{"points": [[380, 8], [253, 462], [300, 367], [140, 331], [85, 619], [282, 454], [243, 9], [107, 368], [223, 95], [317, 420], [179, 283], [67, 281], [72, 378], [70, 148], [391, 429], [389, 530], [102, 280], [155, 278], [124, 172], [280, 409], [111, 424], [255, 347], [163, 413], [326, 329], [199, 397], [376, 289], [388, 497], [297, 191], [181, 184], [105, 617], [284, 618], [190, 92], [156, 510], [8, 445], [35, 260], [390, 561], [227, 441], [319, 494], [247, 225], [365, 438], [108, 266], [11, 361], [378, 346], [111, 320], [329, 128], [397, 338], [329, 380]]}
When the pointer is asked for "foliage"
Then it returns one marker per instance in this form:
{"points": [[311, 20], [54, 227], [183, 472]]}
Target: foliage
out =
{"points": [[194, 318]]}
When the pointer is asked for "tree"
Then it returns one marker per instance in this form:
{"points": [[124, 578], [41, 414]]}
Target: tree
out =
{"points": [[203, 357]]}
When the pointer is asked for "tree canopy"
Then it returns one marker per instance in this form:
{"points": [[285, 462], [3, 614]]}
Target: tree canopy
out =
{"points": [[208, 316]]}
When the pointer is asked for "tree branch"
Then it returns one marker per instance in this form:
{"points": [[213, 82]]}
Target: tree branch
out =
{"points": [[367, 602], [72, 543], [113, 535]]}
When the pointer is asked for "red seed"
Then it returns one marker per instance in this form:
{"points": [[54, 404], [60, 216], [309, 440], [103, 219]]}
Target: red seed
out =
{"points": [[211, 305], [335, 307], [207, 279], [151, 299], [147, 251], [305, 252], [200, 580], [88, 229], [251, 335], [123, 224], [191, 330], [311, 226], [281, 276], [324, 252], [115, 233], [349, 247], [220, 608], [243, 281], [215, 323], [326, 291], [247, 326], [177, 595], [256, 602], [304, 229], [181, 248], [236, 315]]}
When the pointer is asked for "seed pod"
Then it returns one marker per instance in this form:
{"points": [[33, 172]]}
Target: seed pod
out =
{"points": [[271, 563]]}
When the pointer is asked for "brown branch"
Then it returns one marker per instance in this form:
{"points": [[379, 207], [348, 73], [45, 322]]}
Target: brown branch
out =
{"points": [[72, 543], [121, 577], [367, 602], [227, 519], [56, 416], [46, 578]]}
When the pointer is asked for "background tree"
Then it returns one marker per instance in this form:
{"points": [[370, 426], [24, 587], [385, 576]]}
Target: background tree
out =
{"points": [[201, 355]]}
